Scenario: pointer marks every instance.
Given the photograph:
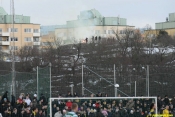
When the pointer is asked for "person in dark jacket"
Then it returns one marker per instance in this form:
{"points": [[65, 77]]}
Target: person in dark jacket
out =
{"points": [[5, 96], [15, 113], [13, 100], [27, 113], [75, 94], [166, 100], [34, 112], [69, 94], [131, 114], [43, 99], [173, 101]]}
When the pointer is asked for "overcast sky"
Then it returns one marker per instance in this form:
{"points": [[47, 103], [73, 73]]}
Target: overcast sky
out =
{"points": [[57, 12]]}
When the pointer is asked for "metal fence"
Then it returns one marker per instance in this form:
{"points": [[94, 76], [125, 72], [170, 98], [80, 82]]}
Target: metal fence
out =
{"points": [[100, 78], [27, 82], [96, 78]]}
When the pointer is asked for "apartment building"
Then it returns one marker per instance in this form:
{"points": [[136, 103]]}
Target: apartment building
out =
{"points": [[25, 33], [90, 24], [168, 26], [47, 40]]}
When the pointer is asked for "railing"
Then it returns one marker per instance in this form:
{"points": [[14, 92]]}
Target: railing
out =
{"points": [[36, 34], [4, 34], [4, 43], [36, 43]]}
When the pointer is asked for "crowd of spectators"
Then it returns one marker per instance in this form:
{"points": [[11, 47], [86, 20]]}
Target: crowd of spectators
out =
{"points": [[27, 105], [111, 107], [24, 106]]}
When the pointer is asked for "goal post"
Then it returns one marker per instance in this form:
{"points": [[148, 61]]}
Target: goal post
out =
{"points": [[101, 100]]}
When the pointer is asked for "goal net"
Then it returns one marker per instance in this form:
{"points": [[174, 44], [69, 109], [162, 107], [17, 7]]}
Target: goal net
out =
{"points": [[102, 106]]}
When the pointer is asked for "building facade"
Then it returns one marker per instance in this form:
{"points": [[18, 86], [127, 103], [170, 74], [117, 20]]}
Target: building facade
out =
{"points": [[168, 26], [91, 24], [24, 33], [46, 29]]}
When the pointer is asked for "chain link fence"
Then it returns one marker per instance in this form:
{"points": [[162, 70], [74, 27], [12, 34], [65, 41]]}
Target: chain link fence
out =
{"points": [[96, 78], [100, 78], [27, 82]]}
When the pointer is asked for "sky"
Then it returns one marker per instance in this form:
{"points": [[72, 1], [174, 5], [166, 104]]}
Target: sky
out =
{"points": [[138, 13]]}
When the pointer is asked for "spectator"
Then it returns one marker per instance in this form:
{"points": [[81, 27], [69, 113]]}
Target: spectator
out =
{"points": [[69, 94], [20, 100], [74, 110], [34, 112], [104, 112], [26, 113], [166, 100], [15, 114], [86, 40], [43, 99], [159, 103], [13, 100], [173, 101], [166, 111], [54, 109], [58, 113], [5, 96], [130, 104], [131, 114], [27, 100], [75, 94], [35, 96], [24, 104], [152, 109], [69, 104]]}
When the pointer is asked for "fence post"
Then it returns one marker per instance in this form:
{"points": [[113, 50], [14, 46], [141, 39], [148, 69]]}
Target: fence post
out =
{"points": [[50, 65], [37, 85], [115, 89], [82, 82]]}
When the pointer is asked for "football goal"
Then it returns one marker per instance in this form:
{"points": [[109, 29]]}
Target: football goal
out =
{"points": [[100, 106]]}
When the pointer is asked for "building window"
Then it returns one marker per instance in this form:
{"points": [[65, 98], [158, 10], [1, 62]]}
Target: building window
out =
{"points": [[36, 31], [27, 30], [122, 31], [111, 32], [0, 38], [0, 29], [97, 32], [28, 39], [14, 48], [14, 39], [36, 39], [104, 31], [14, 30]]}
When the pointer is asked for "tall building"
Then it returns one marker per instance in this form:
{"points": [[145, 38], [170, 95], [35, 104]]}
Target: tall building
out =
{"points": [[50, 28], [89, 24], [168, 26], [25, 33]]}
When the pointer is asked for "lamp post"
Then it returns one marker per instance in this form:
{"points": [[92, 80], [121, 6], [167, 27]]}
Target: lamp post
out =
{"points": [[72, 90], [147, 79], [116, 86]]}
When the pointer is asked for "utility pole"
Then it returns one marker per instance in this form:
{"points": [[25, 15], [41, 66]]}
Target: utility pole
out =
{"points": [[13, 50]]}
